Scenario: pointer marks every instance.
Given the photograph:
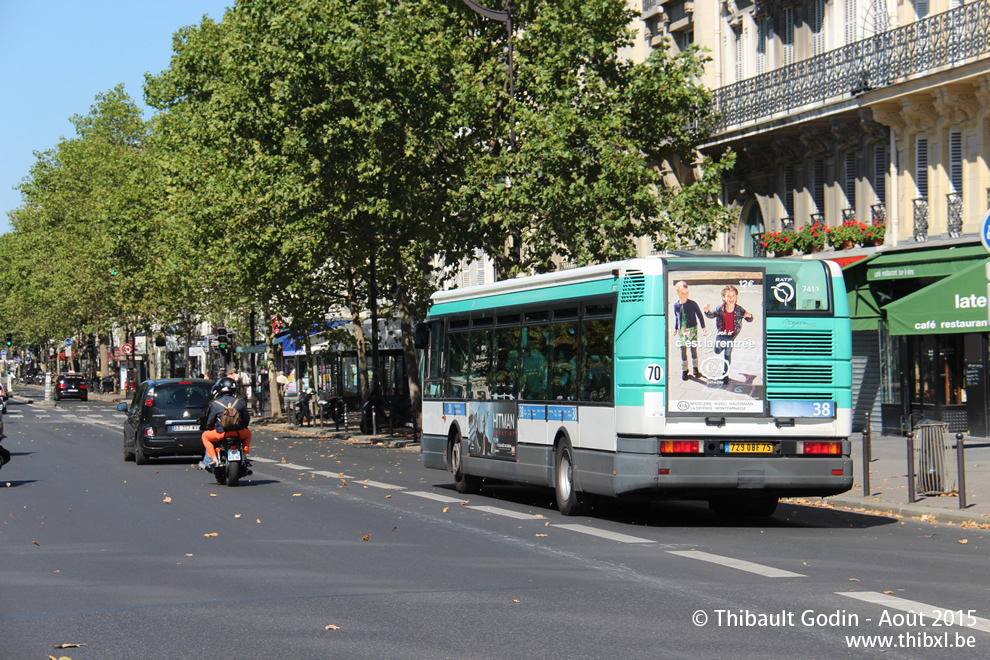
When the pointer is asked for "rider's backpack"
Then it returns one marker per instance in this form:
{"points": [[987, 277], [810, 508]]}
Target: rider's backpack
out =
{"points": [[230, 418]]}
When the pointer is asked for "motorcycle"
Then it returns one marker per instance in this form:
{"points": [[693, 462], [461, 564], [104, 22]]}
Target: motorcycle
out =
{"points": [[331, 407], [302, 413], [106, 385], [230, 466]]}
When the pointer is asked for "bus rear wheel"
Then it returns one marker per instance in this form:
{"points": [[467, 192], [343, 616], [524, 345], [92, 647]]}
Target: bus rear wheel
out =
{"points": [[464, 483], [569, 503]]}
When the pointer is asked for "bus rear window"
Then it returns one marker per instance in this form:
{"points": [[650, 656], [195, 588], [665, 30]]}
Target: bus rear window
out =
{"points": [[797, 287]]}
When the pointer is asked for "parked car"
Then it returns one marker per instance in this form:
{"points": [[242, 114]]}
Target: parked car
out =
{"points": [[163, 419], [71, 386], [4, 395]]}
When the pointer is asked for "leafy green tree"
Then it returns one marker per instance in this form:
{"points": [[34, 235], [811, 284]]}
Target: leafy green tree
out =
{"points": [[592, 129]]}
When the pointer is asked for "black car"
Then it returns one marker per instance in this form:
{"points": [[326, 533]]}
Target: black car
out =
{"points": [[71, 386], [163, 419]]}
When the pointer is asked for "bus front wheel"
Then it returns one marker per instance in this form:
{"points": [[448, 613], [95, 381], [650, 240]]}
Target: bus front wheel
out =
{"points": [[568, 501], [464, 483]]}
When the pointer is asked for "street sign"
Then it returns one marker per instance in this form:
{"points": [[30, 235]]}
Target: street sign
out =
{"points": [[985, 231], [3, 354], [68, 342], [127, 349]]}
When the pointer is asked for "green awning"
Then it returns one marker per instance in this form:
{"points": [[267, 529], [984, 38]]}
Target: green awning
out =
{"points": [[952, 305], [864, 309], [924, 263]]}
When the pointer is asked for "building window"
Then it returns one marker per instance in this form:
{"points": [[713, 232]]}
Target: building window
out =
{"points": [[921, 8], [818, 25], [789, 192], [955, 162], [921, 166], [764, 35], [738, 45], [818, 185], [851, 179], [787, 35], [880, 174]]}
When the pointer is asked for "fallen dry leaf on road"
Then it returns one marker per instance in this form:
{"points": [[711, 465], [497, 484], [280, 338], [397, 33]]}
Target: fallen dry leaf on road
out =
{"points": [[854, 579], [889, 593], [387, 496], [541, 534], [332, 627], [37, 544], [67, 646], [366, 537], [446, 509], [237, 515], [212, 534], [964, 541], [167, 500], [213, 494], [297, 494], [188, 554]]}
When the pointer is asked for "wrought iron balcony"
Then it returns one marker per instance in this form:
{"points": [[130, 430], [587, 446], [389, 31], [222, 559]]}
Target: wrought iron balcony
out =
{"points": [[786, 224], [818, 217], [955, 205], [879, 61], [921, 219], [878, 214], [849, 215]]}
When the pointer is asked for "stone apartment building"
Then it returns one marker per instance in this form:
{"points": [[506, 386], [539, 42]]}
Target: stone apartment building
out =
{"points": [[876, 111]]}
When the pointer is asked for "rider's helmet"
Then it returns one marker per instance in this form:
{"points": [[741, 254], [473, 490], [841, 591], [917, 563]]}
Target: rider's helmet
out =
{"points": [[224, 387]]}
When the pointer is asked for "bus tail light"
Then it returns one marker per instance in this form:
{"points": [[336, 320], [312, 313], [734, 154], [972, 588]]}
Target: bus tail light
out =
{"points": [[819, 448], [680, 447]]}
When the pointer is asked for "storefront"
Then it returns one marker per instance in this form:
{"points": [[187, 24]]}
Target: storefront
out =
{"points": [[929, 306]]}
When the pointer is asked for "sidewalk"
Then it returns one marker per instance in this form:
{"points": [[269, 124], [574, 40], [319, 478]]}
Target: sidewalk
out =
{"points": [[889, 483]]}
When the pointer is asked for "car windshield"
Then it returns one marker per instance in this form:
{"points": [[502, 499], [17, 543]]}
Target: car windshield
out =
{"points": [[181, 396], [73, 381]]}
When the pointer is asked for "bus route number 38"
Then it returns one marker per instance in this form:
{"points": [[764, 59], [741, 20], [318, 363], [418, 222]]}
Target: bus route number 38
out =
{"points": [[654, 373]]}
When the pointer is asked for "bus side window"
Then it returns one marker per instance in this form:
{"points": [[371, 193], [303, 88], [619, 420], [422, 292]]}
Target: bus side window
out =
{"points": [[534, 362], [481, 365], [457, 365], [506, 371], [434, 373], [563, 381], [596, 337]]}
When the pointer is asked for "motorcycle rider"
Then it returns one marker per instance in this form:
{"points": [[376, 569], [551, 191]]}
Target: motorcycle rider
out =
{"points": [[225, 393]]}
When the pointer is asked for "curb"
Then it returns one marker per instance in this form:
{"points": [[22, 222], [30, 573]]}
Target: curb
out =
{"points": [[909, 510]]}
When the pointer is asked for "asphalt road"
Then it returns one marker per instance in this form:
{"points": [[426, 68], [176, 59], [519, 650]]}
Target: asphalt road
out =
{"points": [[336, 549]]}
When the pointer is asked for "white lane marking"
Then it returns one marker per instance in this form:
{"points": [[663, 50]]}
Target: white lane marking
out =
{"points": [[42, 416], [258, 459], [739, 564], [506, 512], [293, 466], [434, 496], [335, 475], [614, 536], [378, 484], [15, 416], [944, 616]]}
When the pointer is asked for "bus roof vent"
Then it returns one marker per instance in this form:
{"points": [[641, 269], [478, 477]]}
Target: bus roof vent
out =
{"points": [[633, 287]]}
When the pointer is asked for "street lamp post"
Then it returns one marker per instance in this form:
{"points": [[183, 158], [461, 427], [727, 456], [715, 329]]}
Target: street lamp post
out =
{"points": [[503, 17]]}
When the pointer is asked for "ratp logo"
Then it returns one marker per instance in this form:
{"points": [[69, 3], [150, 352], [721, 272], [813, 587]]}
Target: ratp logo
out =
{"points": [[783, 292]]}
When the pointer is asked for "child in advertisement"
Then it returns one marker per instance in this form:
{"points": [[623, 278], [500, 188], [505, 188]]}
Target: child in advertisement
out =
{"points": [[728, 323], [687, 319]]}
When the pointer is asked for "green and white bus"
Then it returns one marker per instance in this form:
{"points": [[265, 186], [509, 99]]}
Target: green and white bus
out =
{"points": [[726, 379]]}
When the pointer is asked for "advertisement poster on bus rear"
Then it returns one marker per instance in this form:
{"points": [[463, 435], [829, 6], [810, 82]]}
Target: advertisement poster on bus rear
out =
{"points": [[492, 429], [716, 324]]}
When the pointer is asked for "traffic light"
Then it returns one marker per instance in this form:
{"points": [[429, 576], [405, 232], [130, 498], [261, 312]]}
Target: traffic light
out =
{"points": [[10, 339], [222, 339], [90, 344]]}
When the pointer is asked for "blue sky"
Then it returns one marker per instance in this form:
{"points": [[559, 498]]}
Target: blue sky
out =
{"points": [[57, 55]]}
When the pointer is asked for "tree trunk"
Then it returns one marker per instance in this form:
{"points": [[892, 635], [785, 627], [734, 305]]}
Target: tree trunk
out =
{"points": [[408, 337], [354, 307], [270, 360]]}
